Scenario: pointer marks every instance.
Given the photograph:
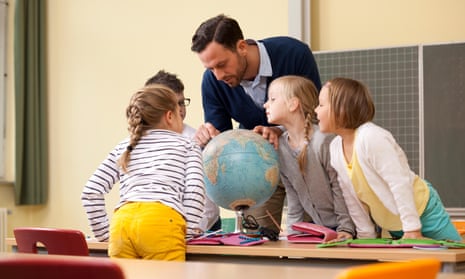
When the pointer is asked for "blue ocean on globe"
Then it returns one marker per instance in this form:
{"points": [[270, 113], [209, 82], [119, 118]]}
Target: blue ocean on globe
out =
{"points": [[241, 169]]}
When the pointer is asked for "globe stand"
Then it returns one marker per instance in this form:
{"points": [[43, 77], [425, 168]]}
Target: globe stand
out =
{"points": [[239, 228], [239, 218]]}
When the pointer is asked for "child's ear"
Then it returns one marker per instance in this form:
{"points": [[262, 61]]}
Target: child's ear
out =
{"points": [[169, 117], [293, 104]]}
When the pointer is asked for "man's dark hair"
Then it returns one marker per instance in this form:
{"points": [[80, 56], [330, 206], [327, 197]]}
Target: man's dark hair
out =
{"points": [[166, 79], [221, 29]]}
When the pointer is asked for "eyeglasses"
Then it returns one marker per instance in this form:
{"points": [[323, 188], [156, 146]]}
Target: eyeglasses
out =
{"points": [[185, 102]]}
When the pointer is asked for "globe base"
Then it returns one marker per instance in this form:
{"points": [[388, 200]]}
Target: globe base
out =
{"points": [[239, 218]]}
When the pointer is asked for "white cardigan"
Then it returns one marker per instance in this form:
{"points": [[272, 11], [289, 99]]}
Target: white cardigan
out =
{"points": [[385, 167]]}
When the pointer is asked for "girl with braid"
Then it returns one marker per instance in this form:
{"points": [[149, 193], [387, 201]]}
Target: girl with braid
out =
{"points": [[161, 186], [310, 181]]}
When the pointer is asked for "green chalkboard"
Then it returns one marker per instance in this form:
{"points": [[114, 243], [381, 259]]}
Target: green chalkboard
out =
{"points": [[392, 75], [444, 117]]}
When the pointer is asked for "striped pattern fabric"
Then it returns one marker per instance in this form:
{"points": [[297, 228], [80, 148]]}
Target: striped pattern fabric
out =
{"points": [[164, 166]]}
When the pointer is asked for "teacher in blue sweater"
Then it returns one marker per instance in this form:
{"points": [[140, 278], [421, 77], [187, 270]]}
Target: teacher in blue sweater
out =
{"points": [[235, 83]]}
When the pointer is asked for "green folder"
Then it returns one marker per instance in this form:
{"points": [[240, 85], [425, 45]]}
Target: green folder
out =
{"points": [[393, 243]]}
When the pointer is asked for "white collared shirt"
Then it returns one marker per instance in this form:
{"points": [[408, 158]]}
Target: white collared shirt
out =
{"points": [[256, 88]]}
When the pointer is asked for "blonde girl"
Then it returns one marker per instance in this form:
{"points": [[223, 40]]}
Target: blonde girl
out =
{"points": [[161, 185], [310, 181]]}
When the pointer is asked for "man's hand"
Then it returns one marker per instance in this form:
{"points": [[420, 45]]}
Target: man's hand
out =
{"points": [[205, 133], [271, 134]]}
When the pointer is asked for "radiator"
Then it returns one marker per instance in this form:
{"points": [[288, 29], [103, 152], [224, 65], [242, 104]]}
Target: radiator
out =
{"points": [[3, 228]]}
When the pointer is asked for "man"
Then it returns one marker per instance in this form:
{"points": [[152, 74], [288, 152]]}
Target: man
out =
{"points": [[211, 219], [235, 83]]}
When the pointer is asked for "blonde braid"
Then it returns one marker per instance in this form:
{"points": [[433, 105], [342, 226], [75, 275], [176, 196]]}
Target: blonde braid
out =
{"points": [[145, 111], [135, 128], [304, 90], [302, 158]]}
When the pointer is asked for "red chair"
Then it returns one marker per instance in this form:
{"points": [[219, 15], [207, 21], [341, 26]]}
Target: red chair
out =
{"points": [[53, 267], [56, 241]]}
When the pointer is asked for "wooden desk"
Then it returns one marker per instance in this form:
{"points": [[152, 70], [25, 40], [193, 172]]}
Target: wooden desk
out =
{"points": [[141, 269], [284, 253]]}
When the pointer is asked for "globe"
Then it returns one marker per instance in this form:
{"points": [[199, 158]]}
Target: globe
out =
{"points": [[241, 169]]}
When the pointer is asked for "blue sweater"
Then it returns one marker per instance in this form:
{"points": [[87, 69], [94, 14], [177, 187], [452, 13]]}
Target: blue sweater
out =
{"points": [[222, 103]]}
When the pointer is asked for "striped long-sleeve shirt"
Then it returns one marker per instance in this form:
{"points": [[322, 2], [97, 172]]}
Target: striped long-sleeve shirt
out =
{"points": [[164, 166]]}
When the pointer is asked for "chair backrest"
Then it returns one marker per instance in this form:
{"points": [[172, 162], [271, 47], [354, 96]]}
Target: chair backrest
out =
{"points": [[460, 226], [52, 267], [421, 268], [56, 241]]}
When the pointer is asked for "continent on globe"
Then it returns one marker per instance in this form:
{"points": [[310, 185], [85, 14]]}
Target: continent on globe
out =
{"points": [[241, 169]]}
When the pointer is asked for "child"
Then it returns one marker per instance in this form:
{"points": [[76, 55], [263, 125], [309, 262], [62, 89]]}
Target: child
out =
{"points": [[373, 171], [161, 182], [211, 220], [174, 83], [310, 181]]}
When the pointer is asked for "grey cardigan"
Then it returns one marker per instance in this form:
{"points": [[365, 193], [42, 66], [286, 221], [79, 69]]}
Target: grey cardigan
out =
{"points": [[317, 191]]}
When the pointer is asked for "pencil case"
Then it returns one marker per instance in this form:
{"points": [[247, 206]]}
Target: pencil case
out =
{"points": [[311, 233]]}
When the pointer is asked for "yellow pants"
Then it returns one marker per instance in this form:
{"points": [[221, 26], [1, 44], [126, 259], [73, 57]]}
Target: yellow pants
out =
{"points": [[147, 230]]}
